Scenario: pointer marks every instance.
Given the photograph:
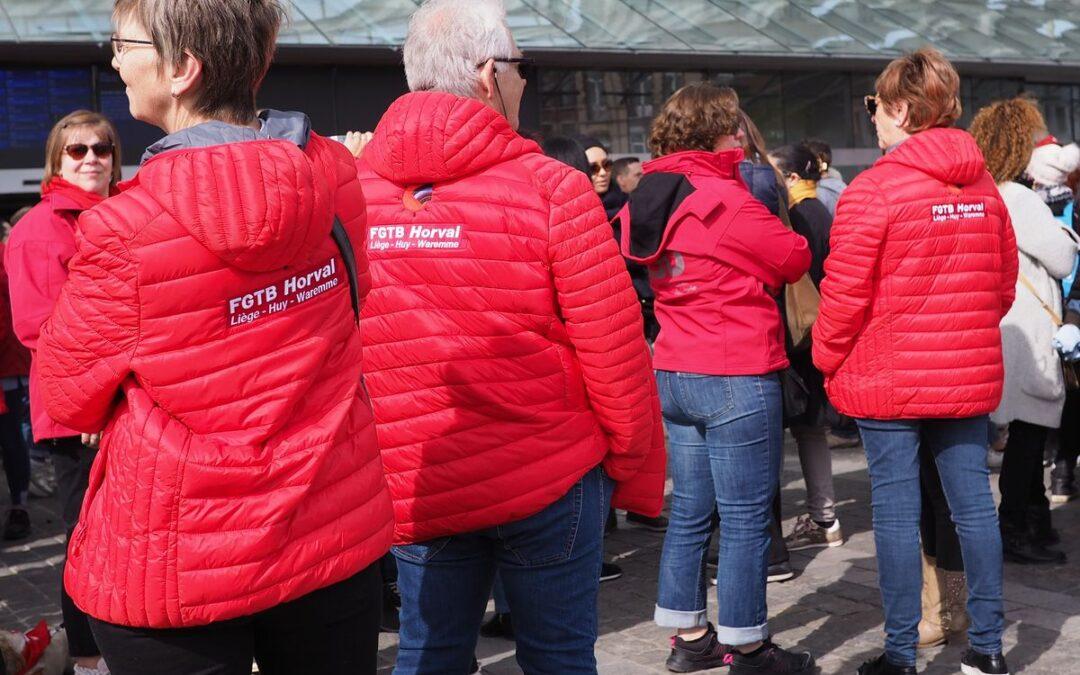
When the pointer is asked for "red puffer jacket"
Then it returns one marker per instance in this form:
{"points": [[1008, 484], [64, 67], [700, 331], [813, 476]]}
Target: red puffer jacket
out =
{"points": [[207, 326], [503, 339], [922, 270]]}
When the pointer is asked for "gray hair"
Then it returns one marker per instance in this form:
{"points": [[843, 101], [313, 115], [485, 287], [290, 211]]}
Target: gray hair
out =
{"points": [[448, 38]]}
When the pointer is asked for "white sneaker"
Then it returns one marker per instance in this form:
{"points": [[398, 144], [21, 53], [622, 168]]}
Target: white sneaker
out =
{"points": [[808, 534]]}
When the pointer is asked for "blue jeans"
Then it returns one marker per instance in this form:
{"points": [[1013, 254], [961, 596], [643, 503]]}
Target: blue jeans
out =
{"points": [[725, 437], [959, 450], [549, 565]]}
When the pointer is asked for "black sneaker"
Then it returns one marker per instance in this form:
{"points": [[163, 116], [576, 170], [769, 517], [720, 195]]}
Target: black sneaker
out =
{"points": [[390, 622], [609, 572], [1062, 483], [18, 524], [657, 524], [975, 663], [701, 654], [1018, 547], [612, 522], [500, 626], [779, 572], [475, 667], [772, 660], [880, 666]]}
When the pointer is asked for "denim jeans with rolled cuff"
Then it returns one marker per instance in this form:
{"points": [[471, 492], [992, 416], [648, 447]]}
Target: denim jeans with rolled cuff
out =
{"points": [[725, 437]]}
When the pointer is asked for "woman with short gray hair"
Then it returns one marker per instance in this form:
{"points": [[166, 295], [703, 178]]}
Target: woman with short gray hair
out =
{"points": [[237, 509]]}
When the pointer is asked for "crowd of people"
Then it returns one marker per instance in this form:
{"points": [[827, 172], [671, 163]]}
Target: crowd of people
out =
{"points": [[295, 391]]}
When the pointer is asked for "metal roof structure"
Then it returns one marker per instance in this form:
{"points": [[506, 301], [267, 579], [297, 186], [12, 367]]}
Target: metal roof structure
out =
{"points": [[1025, 32]]}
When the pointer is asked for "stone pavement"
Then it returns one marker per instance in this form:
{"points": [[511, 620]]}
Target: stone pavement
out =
{"points": [[832, 607]]}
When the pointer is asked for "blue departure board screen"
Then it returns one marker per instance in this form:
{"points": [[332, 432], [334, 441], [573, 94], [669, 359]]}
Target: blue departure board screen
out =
{"points": [[32, 100]]}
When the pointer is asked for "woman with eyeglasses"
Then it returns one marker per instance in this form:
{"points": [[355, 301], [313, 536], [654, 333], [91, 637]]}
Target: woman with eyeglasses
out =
{"points": [[237, 510], [82, 167], [921, 270]]}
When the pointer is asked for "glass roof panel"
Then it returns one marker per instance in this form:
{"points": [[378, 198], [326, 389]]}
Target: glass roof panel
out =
{"points": [[606, 24], [62, 21], [1023, 30], [704, 26], [789, 25]]}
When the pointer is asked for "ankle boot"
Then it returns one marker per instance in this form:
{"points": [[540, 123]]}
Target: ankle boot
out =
{"points": [[955, 592], [931, 629], [1039, 526], [1018, 547]]}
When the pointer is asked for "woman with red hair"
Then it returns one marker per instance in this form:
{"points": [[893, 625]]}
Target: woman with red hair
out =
{"points": [[921, 271]]}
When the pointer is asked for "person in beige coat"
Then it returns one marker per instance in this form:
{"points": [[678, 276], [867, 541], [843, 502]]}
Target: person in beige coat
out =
{"points": [[1034, 391]]}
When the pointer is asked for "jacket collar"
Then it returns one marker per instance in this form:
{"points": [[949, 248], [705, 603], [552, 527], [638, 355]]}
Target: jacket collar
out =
{"points": [[289, 126], [722, 164], [430, 137]]}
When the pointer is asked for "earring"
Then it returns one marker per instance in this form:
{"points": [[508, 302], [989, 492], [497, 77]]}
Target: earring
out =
{"points": [[176, 94]]}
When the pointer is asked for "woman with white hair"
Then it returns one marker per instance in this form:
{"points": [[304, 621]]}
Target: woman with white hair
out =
{"points": [[237, 508]]}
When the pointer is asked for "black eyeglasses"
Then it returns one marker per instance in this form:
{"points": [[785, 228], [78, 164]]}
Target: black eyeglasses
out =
{"points": [[77, 151], [118, 44], [596, 167], [870, 102], [524, 64]]}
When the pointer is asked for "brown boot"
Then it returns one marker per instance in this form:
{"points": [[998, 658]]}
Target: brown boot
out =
{"points": [[955, 610], [932, 630]]}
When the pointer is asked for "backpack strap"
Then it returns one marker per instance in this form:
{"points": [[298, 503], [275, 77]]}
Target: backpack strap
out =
{"points": [[341, 238]]}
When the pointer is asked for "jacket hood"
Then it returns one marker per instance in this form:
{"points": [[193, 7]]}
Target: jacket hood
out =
{"points": [[950, 156], [663, 189], [256, 198], [431, 137]]}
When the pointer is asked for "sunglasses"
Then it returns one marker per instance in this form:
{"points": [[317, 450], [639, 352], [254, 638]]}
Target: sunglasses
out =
{"points": [[870, 102], [77, 151], [596, 167], [524, 65]]}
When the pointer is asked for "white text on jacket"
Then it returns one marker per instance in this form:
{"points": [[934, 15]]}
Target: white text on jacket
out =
{"points": [[283, 294]]}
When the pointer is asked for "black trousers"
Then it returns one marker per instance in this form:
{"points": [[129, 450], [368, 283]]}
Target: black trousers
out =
{"points": [[72, 461], [1021, 481], [1069, 446], [939, 539], [331, 631]]}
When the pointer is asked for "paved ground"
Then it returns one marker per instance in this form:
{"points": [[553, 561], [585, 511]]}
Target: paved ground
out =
{"points": [[832, 608]]}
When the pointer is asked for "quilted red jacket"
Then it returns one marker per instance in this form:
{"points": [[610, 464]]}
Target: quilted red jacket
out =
{"points": [[502, 337], [922, 269], [207, 326]]}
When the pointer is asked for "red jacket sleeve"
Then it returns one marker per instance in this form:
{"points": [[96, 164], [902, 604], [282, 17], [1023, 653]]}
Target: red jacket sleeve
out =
{"points": [[858, 233], [86, 347], [758, 243], [603, 321], [36, 273]]}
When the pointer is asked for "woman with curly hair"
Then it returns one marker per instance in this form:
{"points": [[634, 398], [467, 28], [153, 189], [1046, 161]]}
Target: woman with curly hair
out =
{"points": [[1034, 392], [716, 258]]}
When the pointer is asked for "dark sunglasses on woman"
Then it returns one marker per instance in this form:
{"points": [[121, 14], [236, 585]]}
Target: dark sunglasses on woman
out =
{"points": [[871, 103], [597, 167], [77, 151]]}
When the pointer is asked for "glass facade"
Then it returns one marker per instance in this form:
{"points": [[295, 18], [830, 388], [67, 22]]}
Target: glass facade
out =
{"points": [[617, 107]]}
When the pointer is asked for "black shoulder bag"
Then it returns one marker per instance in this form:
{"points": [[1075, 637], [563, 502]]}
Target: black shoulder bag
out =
{"points": [[341, 238]]}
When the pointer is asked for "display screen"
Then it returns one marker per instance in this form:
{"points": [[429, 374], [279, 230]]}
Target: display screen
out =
{"points": [[31, 101]]}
